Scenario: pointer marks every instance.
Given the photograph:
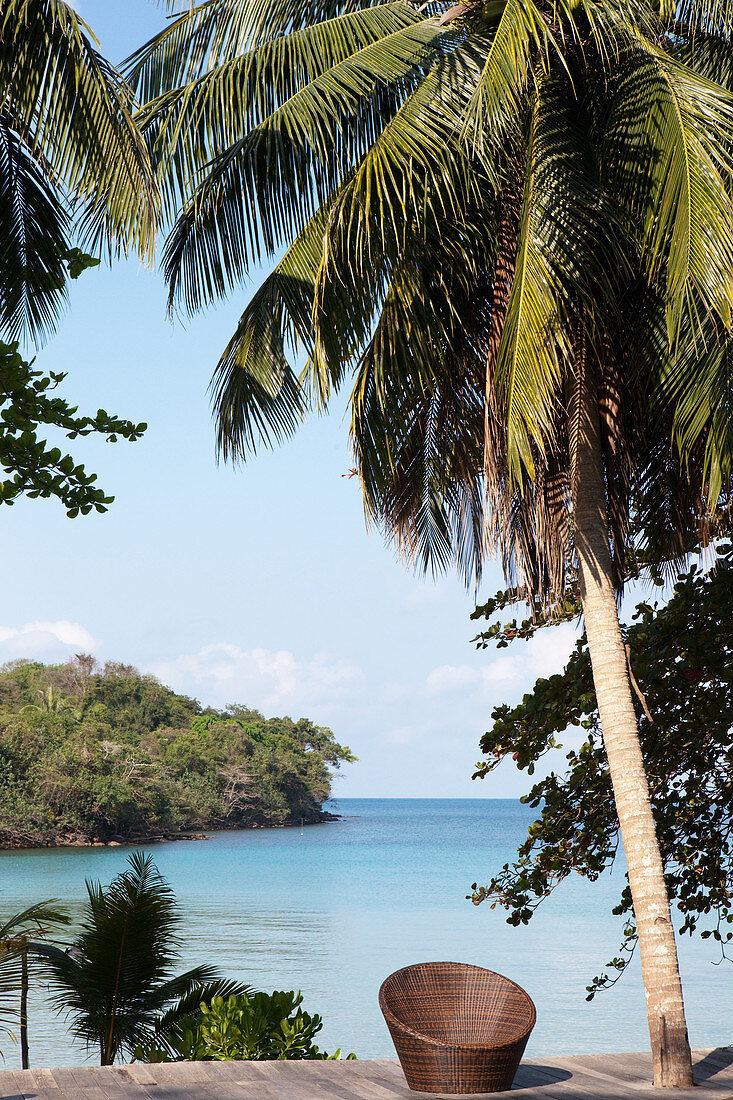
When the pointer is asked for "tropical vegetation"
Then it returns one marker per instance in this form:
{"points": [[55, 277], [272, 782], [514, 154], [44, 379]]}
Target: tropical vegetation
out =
{"points": [[18, 935], [74, 169], [681, 660], [255, 1026], [512, 220], [116, 980], [33, 466], [99, 754]]}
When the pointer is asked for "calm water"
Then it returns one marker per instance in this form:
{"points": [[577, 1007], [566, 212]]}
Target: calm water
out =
{"points": [[335, 908]]}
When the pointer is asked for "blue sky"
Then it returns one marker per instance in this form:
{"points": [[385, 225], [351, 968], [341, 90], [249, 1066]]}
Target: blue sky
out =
{"points": [[259, 585]]}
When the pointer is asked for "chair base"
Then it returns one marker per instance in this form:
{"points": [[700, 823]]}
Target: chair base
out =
{"points": [[455, 1069]]}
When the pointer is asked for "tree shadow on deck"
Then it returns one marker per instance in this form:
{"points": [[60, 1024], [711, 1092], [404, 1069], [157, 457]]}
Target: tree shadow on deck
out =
{"points": [[713, 1063]]}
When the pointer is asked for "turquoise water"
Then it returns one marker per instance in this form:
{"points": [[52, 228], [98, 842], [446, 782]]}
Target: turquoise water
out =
{"points": [[334, 908]]}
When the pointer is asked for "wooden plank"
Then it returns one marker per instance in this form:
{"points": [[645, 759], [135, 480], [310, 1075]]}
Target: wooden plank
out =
{"points": [[345, 1081], [592, 1077], [331, 1080], [24, 1084], [721, 1058], [65, 1080], [240, 1073], [10, 1090], [221, 1084], [44, 1082], [563, 1079], [372, 1086], [535, 1075], [213, 1081], [140, 1073], [632, 1069], [117, 1084], [284, 1080], [623, 1074], [236, 1088]]}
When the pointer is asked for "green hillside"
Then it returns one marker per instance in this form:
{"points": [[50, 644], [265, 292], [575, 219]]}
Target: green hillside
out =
{"points": [[97, 754]]}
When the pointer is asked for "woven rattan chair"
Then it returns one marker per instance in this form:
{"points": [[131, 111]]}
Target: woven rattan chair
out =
{"points": [[456, 1028]]}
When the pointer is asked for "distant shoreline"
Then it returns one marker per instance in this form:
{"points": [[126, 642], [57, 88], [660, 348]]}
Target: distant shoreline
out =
{"points": [[75, 841]]}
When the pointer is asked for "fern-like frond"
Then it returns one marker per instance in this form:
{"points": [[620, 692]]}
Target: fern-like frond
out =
{"points": [[200, 37], [258, 397], [668, 137], [521, 34], [34, 235], [529, 367], [73, 111], [272, 181]]}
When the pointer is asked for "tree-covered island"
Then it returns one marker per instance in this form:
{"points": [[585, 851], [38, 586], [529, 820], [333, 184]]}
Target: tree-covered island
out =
{"points": [[92, 754]]}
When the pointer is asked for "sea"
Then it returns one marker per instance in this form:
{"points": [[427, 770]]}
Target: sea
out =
{"points": [[332, 909]]}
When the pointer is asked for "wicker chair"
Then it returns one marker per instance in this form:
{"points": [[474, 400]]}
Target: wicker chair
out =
{"points": [[456, 1028]]}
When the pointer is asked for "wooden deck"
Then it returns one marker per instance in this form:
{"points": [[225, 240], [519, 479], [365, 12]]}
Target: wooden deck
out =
{"points": [[605, 1077]]}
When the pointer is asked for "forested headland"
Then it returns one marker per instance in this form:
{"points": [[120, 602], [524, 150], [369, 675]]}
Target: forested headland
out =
{"points": [[98, 754]]}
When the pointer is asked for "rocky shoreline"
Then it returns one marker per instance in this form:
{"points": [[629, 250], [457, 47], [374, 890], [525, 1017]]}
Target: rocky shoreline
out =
{"points": [[79, 840]]}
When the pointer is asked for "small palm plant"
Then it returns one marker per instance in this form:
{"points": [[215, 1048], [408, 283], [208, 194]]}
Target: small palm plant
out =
{"points": [[116, 980], [18, 938]]}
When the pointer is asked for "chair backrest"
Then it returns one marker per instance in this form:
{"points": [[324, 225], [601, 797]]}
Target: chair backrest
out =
{"points": [[457, 1003]]}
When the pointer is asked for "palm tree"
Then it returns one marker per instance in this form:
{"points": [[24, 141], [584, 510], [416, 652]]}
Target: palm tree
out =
{"points": [[73, 164], [511, 219], [116, 980], [18, 937]]}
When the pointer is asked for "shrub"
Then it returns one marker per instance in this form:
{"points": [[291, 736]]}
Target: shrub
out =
{"points": [[257, 1026]]}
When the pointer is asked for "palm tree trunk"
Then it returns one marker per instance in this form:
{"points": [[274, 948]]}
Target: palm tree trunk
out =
{"points": [[659, 967], [24, 1008]]}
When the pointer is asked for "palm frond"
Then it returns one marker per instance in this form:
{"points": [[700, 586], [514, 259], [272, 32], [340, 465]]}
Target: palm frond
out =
{"points": [[189, 125], [34, 235], [528, 368], [35, 920], [15, 933], [415, 177], [708, 17], [420, 377], [698, 386], [668, 136], [191, 997], [203, 36], [269, 183], [257, 395], [110, 981], [73, 111], [521, 34]]}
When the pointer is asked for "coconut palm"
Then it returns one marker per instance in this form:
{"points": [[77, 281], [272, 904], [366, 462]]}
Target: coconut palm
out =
{"points": [[73, 166], [510, 220], [116, 980], [18, 937]]}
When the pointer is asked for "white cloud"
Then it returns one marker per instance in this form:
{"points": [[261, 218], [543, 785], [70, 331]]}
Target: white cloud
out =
{"points": [[400, 735], [41, 639], [544, 655], [452, 678], [262, 678]]}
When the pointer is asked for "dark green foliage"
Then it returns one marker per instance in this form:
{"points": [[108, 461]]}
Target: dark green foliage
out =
{"points": [[681, 657], [255, 1026], [116, 980], [32, 466], [95, 754], [73, 166]]}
